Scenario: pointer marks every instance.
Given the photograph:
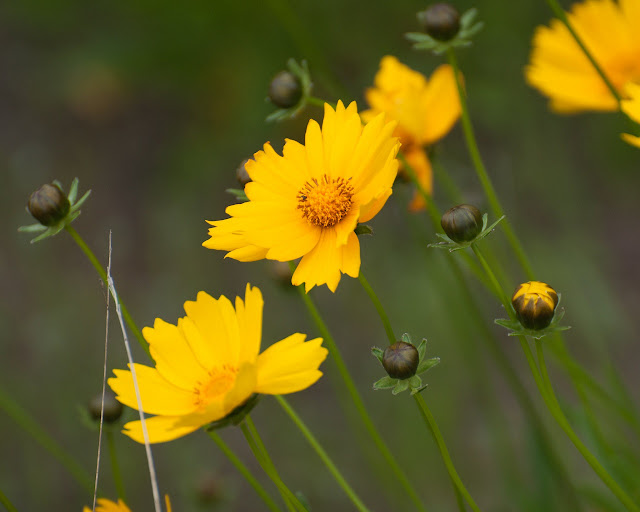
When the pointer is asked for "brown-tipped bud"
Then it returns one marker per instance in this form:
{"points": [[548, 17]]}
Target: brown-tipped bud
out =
{"points": [[241, 173], [112, 408], [49, 204], [462, 223], [535, 304], [285, 90], [441, 21], [400, 360]]}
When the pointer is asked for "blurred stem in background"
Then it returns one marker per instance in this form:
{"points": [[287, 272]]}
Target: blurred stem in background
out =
{"points": [[31, 427], [330, 343], [6, 503], [546, 390], [115, 466], [424, 410]]}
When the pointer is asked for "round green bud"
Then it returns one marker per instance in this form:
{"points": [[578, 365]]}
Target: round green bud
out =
{"points": [[112, 408], [441, 21], [400, 360], [49, 205], [535, 304], [462, 223], [285, 90], [241, 173]]}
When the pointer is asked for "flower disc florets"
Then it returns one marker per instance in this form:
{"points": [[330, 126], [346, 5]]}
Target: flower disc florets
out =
{"points": [[325, 202]]}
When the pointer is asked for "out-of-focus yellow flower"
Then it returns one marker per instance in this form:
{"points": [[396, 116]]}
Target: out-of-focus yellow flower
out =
{"points": [[209, 364], [631, 107], [560, 70], [425, 110], [307, 203], [104, 505]]}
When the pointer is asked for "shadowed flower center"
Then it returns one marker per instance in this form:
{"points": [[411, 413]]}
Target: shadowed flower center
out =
{"points": [[221, 381], [325, 202]]}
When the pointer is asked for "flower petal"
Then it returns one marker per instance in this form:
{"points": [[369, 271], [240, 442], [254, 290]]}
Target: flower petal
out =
{"points": [[321, 265], [163, 428], [440, 105], [243, 388], [249, 314]]}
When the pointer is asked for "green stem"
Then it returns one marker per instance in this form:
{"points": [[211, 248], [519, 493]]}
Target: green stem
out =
{"points": [[115, 466], [555, 409], [262, 455], [482, 174], [444, 452], [30, 426], [330, 344], [322, 454], [6, 503], [378, 305], [103, 275], [562, 16], [233, 458], [318, 102]]}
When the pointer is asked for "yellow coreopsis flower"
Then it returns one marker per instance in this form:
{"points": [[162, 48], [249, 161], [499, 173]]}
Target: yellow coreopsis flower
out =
{"points": [[209, 364], [425, 110], [307, 203], [631, 107], [560, 70], [104, 505]]}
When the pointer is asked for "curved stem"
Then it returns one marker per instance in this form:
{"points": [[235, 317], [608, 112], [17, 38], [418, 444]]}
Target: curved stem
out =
{"points": [[562, 16], [555, 409], [378, 305], [115, 466], [103, 275], [233, 458], [482, 174], [444, 452], [31, 427], [322, 454], [330, 343]]}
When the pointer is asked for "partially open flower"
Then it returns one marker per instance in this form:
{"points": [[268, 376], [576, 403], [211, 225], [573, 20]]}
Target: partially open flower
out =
{"points": [[400, 360], [49, 204], [112, 408], [535, 304], [462, 223], [285, 90], [441, 21]]}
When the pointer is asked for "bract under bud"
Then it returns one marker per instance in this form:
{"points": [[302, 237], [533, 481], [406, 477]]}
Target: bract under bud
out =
{"points": [[400, 360], [462, 223], [285, 90], [49, 204], [534, 303], [112, 408], [241, 173], [441, 21]]}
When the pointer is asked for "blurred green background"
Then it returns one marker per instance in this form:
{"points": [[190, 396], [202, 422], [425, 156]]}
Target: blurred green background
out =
{"points": [[153, 104]]}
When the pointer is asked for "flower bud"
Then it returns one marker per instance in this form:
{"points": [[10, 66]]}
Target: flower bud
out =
{"points": [[285, 90], [49, 204], [535, 304], [112, 408], [462, 223], [441, 21], [400, 360], [241, 173]]}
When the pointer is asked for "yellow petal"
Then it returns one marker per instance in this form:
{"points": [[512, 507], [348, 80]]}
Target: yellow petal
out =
{"points": [[290, 365], [173, 356], [351, 256], [417, 159], [163, 428], [158, 396], [631, 139], [249, 315], [340, 133], [321, 265], [440, 104]]}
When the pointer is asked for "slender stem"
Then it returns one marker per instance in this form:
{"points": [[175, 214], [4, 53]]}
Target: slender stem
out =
{"points": [[233, 458], [6, 503], [262, 455], [103, 275], [319, 102], [378, 305], [444, 452], [555, 409], [31, 427], [322, 454], [330, 343], [562, 16], [115, 465], [482, 174]]}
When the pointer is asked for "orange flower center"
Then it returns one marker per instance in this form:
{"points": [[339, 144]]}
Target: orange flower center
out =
{"points": [[325, 202], [220, 382]]}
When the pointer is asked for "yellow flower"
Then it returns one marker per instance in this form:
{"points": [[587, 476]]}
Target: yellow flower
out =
{"points": [[425, 110], [209, 364], [560, 70], [104, 505], [631, 107], [307, 203]]}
